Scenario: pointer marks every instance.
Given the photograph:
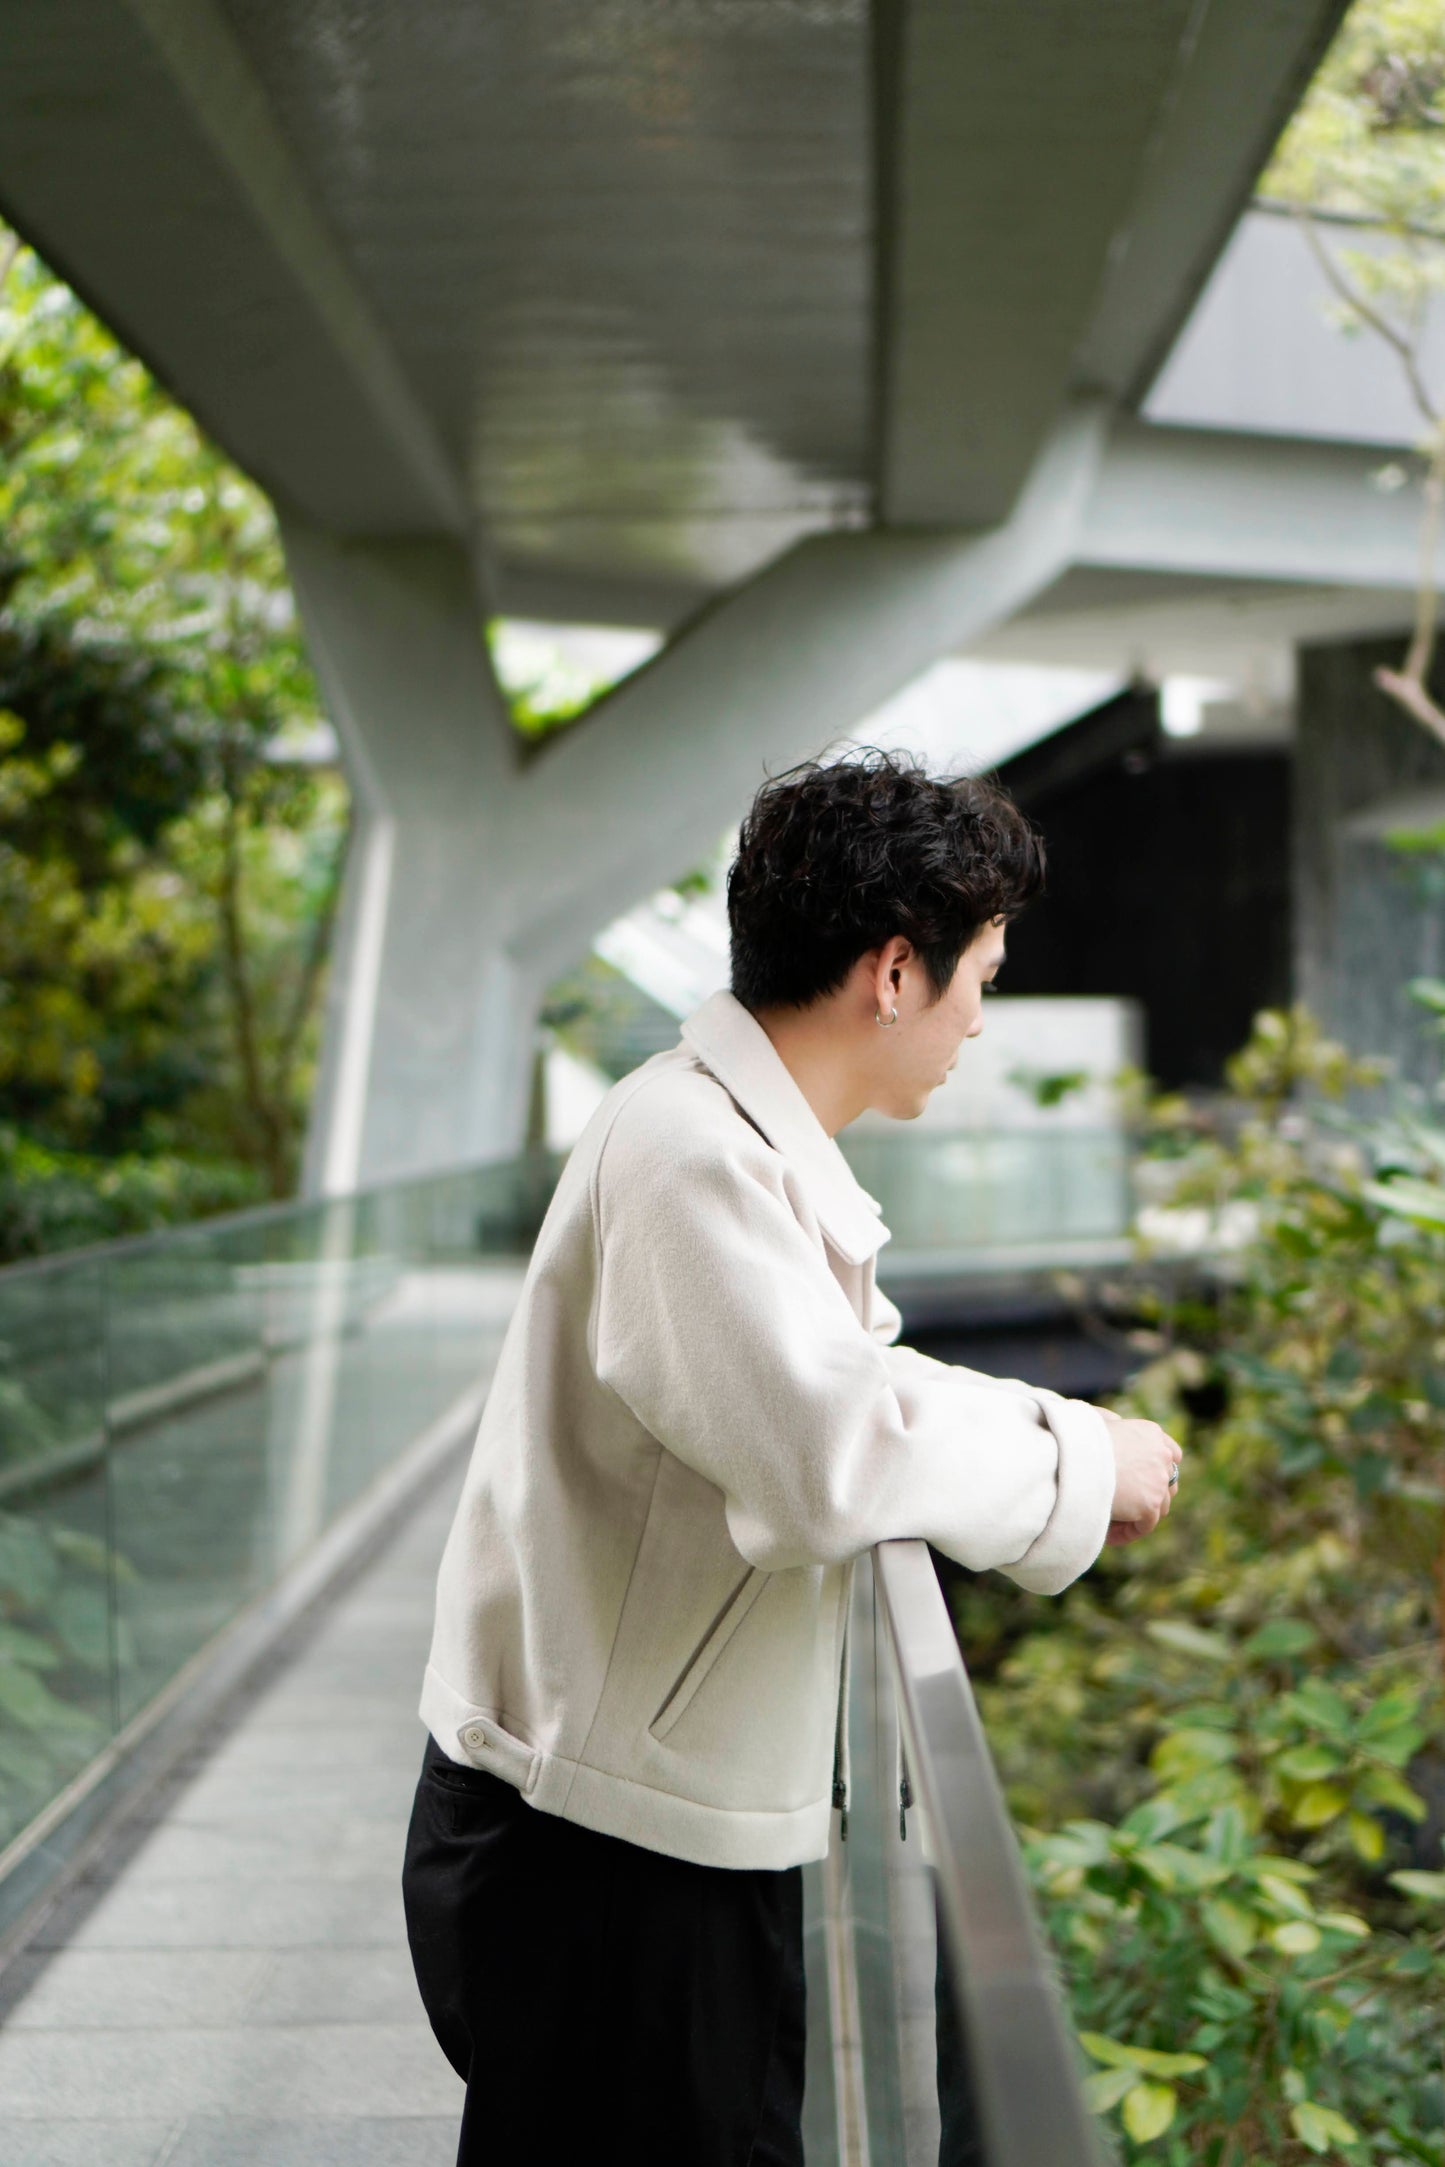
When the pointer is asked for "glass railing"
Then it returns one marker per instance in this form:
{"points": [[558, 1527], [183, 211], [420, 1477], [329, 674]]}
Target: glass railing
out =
{"points": [[182, 1416], [948, 2045], [1029, 1196]]}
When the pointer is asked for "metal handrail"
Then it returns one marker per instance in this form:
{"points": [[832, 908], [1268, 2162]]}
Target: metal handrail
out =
{"points": [[1018, 2047]]}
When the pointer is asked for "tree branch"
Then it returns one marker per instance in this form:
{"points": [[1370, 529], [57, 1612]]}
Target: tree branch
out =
{"points": [[303, 999], [1369, 314], [243, 1007]]}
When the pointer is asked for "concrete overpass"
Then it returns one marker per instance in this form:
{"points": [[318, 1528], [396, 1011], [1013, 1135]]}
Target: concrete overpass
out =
{"points": [[823, 336]]}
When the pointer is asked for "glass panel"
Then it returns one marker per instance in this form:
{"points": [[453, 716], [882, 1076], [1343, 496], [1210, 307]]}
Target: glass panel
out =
{"points": [[181, 1417], [996, 1191], [890, 1909], [188, 1456], [56, 1625]]}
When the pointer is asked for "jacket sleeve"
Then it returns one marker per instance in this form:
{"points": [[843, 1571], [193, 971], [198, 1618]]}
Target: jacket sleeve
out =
{"points": [[721, 1327], [888, 1323]]}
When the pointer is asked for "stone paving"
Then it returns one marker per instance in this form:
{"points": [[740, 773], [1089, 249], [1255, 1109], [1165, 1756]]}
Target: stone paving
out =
{"points": [[231, 1987]]}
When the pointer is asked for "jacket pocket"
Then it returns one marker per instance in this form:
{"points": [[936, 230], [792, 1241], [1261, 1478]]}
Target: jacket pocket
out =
{"points": [[719, 1633]]}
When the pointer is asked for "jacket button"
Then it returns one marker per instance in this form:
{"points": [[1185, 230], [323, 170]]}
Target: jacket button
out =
{"points": [[474, 1737]]}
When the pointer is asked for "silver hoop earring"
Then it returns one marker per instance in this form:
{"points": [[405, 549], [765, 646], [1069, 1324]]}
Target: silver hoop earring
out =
{"points": [[877, 1018]]}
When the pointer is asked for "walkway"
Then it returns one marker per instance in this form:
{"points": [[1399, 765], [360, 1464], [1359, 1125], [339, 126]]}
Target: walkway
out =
{"points": [[233, 1990]]}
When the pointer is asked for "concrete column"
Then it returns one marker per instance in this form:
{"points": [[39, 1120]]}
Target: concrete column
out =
{"points": [[1366, 919], [481, 868], [430, 1015]]}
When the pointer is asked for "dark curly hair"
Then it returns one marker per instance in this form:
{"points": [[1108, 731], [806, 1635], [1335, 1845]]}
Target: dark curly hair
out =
{"points": [[835, 859]]}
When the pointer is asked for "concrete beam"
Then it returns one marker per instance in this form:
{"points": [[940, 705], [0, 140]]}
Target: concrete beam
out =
{"points": [[1045, 229], [1245, 507], [1244, 66], [203, 250], [1003, 188]]}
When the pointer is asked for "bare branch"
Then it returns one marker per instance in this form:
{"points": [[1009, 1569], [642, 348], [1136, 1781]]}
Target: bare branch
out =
{"points": [[243, 1005], [304, 994], [1369, 314], [1408, 693]]}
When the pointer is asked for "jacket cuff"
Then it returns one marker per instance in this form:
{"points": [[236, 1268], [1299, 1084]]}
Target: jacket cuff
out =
{"points": [[1084, 1502]]}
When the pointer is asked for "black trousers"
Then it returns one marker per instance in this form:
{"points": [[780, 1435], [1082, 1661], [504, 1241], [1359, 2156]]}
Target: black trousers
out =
{"points": [[599, 2000]]}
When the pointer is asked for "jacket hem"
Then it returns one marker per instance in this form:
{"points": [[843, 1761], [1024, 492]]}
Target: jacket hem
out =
{"points": [[614, 1805]]}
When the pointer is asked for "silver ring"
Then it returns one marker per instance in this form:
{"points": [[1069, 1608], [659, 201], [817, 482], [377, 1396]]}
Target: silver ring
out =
{"points": [[891, 1020], [1174, 1476]]}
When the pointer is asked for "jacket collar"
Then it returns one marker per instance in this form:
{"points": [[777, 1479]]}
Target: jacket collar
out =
{"points": [[731, 1042]]}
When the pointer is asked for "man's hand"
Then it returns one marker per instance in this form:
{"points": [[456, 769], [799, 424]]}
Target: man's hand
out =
{"points": [[1143, 1457]]}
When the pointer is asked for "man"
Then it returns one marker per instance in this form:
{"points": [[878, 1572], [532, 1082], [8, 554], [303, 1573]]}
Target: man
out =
{"points": [[700, 1417]]}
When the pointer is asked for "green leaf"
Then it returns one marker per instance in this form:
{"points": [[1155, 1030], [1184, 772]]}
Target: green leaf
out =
{"points": [[1427, 1887], [1281, 1637], [1308, 1764], [1320, 1804], [1231, 1925], [1323, 1706], [1367, 1837], [1347, 1922], [1320, 2127], [1174, 1867], [1397, 1746], [1187, 1639], [1296, 1937], [1120, 2055], [1227, 1836], [1205, 1715], [1187, 1753], [1286, 1895], [1407, 1197], [1152, 1818], [1382, 1787], [1269, 1863], [1148, 2111], [1106, 2087], [1400, 1705]]}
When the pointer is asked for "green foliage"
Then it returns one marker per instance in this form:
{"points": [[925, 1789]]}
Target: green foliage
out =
{"points": [[58, 1640], [1367, 144], [1227, 1745], [1049, 1088], [168, 871], [1368, 139], [59, 1200]]}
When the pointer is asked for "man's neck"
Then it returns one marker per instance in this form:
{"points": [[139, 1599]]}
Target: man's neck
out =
{"points": [[807, 1044]]}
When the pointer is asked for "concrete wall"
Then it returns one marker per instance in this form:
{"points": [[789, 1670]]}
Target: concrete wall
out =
{"points": [[1365, 921]]}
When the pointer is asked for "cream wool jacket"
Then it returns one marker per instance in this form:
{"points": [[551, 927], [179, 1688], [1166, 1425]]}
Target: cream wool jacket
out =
{"points": [[699, 1418]]}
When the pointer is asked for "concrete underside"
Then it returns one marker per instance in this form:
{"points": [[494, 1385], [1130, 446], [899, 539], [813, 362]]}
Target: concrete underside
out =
{"points": [[633, 298]]}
